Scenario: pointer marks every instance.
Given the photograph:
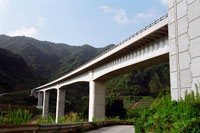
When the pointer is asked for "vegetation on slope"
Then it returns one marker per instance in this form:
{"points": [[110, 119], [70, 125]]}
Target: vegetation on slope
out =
{"points": [[166, 115], [49, 60], [15, 75], [144, 82]]}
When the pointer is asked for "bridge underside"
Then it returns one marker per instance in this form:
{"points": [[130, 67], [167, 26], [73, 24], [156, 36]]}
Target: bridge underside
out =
{"points": [[147, 63]]}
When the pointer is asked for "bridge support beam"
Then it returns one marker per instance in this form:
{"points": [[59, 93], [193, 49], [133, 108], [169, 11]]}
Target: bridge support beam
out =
{"points": [[97, 96], [45, 104], [40, 97], [60, 104], [184, 43]]}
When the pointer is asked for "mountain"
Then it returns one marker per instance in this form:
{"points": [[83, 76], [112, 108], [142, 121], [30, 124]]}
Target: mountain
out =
{"points": [[14, 73], [49, 60]]}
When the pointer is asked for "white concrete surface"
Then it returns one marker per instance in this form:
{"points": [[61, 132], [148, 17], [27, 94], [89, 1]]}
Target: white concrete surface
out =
{"points": [[184, 40]]}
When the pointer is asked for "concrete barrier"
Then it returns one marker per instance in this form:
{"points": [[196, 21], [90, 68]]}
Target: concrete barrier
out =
{"points": [[59, 128]]}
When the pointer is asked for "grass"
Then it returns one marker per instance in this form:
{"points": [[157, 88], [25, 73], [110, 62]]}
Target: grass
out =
{"points": [[49, 120], [70, 118], [15, 117]]}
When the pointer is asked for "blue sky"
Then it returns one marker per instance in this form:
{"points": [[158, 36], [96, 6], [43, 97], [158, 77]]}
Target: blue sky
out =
{"points": [[77, 22]]}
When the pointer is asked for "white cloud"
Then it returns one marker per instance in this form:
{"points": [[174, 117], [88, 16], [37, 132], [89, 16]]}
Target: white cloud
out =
{"points": [[119, 15], [164, 2], [151, 13], [40, 21], [107, 9], [3, 4], [145, 15], [30, 32]]}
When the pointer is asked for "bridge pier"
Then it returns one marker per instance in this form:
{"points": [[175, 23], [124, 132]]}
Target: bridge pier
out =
{"points": [[97, 97], [40, 97], [45, 104], [184, 43], [60, 104]]}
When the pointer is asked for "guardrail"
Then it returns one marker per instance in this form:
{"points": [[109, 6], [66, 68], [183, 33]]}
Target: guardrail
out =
{"points": [[65, 127]]}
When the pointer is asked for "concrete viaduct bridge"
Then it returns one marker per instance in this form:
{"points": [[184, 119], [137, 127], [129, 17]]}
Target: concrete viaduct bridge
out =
{"points": [[174, 37]]}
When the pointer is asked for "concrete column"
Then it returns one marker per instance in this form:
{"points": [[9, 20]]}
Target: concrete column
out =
{"points": [[60, 104], [45, 104], [97, 98], [184, 43], [40, 96]]}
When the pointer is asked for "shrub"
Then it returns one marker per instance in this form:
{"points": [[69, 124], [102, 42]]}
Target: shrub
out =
{"points": [[169, 116]]}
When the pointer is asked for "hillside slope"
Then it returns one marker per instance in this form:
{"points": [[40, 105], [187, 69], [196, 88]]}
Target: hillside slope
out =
{"points": [[49, 60], [15, 74]]}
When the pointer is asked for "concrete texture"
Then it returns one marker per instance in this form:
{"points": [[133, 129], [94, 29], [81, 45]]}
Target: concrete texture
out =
{"points": [[184, 40], [115, 129]]}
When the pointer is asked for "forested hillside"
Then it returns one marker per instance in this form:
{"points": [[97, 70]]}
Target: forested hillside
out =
{"points": [[15, 74], [49, 60], [143, 82]]}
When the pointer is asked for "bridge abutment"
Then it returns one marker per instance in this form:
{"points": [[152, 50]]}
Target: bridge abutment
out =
{"points": [[60, 104], [97, 97], [45, 104], [184, 43]]}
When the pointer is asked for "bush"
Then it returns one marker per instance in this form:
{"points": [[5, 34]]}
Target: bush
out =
{"points": [[169, 116]]}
